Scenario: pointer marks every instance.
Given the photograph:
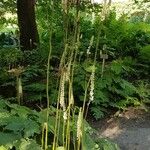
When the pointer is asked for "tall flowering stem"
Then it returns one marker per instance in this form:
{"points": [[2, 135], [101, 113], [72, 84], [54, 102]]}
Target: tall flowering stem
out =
{"points": [[17, 73], [79, 128], [92, 87], [91, 94]]}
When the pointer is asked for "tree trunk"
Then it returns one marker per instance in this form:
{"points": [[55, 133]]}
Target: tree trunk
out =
{"points": [[29, 38]]}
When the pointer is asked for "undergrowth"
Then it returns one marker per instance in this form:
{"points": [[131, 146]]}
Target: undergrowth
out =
{"points": [[86, 64]]}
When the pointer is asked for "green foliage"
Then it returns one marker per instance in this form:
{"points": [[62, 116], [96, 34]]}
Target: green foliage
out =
{"points": [[97, 112], [16, 123], [124, 81], [27, 144], [122, 37], [21, 127], [143, 91], [7, 139], [145, 53], [114, 89], [9, 56], [107, 145], [123, 104], [36, 91]]}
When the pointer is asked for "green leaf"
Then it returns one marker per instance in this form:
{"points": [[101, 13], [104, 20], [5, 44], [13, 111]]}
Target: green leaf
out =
{"points": [[97, 112], [27, 144], [36, 87], [22, 111], [8, 138], [2, 103], [88, 142], [107, 145], [116, 67], [2, 148], [51, 124], [90, 68], [128, 88], [31, 127], [4, 117], [100, 97], [60, 148], [145, 52], [15, 124]]}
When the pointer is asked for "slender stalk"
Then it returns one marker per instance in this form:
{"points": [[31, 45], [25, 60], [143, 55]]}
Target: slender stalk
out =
{"points": [[86, 112], [58, 128], [56, 125], [64, 131], [103, 65], [68, 130], [44, 136], [47, 76], [57, 119], [94, 63], [18, 97], [80, 129], [48, 66], [73, 120], [85, 96]]}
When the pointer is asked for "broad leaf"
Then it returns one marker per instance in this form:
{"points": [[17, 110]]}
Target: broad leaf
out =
{"points": [[27, 144], [8, 138]]}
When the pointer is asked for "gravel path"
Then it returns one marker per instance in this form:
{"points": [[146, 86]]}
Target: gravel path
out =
{"points": [[130, 130]]}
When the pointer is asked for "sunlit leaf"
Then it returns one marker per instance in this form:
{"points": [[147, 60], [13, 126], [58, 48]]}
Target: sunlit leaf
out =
{"points": [[3, 148], [27, 144], [90, 68], [60, 148]]}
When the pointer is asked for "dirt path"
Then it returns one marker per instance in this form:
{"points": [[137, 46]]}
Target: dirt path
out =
{"points": [[130, 130]]}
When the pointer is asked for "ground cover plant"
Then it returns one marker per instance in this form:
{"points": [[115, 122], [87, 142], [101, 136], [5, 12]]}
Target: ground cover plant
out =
{"points": [[83, 59]]}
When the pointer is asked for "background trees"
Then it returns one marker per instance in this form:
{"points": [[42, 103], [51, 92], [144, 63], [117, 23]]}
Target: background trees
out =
{"points": [[27, 24]]}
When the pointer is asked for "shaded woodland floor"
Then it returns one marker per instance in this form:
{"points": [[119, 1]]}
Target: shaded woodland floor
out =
{"points": [[129, 129]]}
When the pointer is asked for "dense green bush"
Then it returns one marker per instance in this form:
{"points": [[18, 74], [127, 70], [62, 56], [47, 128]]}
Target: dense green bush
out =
{"points": [[126, 45], [114, 89]]}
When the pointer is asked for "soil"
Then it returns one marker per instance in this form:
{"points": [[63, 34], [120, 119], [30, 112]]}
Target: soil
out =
{"points": [[129, 129]]}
